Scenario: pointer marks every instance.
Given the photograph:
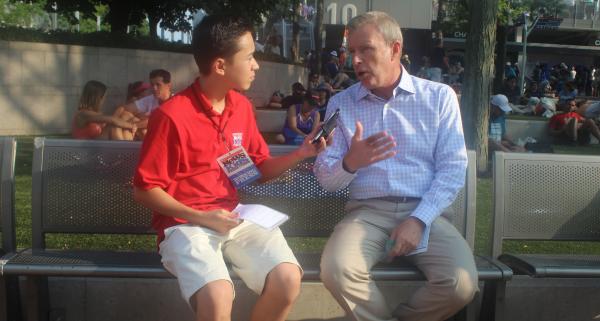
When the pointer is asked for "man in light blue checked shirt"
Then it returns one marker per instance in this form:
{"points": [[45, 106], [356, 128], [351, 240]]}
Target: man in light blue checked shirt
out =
{"points": [[399, 146]]}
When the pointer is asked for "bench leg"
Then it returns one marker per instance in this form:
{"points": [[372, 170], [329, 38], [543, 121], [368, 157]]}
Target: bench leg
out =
{"points": [[492, 303], [38, 302], [10, 299]]}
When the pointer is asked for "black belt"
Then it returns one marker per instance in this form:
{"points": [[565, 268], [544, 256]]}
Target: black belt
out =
{"points": [[398, 199]]}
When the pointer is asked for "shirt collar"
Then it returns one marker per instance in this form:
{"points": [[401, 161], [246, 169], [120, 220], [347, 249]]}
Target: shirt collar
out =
{"points": [[405, 85], [204, 104]]}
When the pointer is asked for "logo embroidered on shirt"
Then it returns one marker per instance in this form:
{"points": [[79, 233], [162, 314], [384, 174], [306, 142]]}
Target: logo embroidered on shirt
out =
{"points": [[237, 139]]}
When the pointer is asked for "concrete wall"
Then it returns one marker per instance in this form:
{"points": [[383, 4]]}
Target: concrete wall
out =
{"points": [[40, 83]]}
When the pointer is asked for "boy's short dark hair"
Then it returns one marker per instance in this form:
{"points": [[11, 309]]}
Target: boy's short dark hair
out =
{"points": [[165, 75], [215, 37]]}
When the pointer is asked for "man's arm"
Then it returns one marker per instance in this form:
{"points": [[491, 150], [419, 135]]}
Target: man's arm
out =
{"points": [[450, 158], [132, 108]]}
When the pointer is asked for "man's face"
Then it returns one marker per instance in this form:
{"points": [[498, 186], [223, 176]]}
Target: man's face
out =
{"points": [[373, 59], [495, 111], [160, 89], [240, 69]]}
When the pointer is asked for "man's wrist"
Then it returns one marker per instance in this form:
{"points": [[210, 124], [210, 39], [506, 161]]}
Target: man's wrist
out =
{"points": [[346, 167], [418, 221]]}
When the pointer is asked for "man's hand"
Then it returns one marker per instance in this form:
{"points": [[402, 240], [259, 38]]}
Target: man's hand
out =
{"points": [[364, 152], [220, 220], [406, 236], [308, 149]]}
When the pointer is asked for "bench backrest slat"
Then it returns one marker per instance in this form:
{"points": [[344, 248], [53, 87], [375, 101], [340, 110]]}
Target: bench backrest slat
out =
{"points": [[7, 193], [545, 197], [85, 187]]}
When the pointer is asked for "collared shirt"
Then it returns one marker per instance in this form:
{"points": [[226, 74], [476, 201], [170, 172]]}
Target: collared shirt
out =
{"points": [[179, 154], [431, 160]]}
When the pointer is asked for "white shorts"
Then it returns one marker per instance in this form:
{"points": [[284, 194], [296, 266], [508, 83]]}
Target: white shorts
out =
{"points": [[197, 255]]}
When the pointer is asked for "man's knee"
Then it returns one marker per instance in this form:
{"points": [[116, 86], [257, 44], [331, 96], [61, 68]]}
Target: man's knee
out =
{"points": [[460, 289], [283, 283], [337, 273]]}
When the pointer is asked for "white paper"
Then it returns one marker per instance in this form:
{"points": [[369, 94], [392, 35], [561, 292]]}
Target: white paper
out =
{"points": [[261, 215], [422, 246]]}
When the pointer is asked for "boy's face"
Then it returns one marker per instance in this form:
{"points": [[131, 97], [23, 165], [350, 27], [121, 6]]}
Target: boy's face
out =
{"points": [[240, 69]]}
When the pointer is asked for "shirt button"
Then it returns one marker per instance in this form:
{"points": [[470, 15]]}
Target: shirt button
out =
{"points": [[386, 106]]}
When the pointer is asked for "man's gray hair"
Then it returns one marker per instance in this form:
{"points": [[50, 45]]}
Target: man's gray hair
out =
{"points": [[386, 24]]}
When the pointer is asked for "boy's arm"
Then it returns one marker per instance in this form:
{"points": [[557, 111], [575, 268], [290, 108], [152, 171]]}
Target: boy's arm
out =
{"points": [[159, 201]]}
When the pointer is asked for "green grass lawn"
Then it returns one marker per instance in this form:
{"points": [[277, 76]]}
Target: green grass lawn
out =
{"points": [[120, 242]]}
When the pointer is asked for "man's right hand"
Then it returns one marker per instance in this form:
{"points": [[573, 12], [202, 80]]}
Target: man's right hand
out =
{"points": [[364, 152], [220, 220]]}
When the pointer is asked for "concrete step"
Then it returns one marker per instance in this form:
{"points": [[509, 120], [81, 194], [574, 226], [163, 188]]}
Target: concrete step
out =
{"points": [[96, 299]]}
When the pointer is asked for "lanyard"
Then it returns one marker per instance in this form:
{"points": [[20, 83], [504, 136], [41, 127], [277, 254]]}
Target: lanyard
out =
{"points": [[220, 128]]}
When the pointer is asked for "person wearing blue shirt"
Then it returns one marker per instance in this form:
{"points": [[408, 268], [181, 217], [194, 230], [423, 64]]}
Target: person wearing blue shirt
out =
{"points": [[399, 147], [498, 140]]}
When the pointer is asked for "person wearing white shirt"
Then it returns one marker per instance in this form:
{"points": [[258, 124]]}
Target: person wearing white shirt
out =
{"points": [[160, 80], [399, 147]]}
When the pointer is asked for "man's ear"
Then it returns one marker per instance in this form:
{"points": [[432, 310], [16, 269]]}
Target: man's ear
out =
{"points": [[396, 50], [218, 66]]}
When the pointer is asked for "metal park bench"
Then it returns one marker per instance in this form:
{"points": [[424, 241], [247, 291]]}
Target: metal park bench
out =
{"points": [[84, 187]]}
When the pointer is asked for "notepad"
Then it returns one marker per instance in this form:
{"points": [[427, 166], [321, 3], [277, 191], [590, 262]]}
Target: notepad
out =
{"points": [[261, 215]]}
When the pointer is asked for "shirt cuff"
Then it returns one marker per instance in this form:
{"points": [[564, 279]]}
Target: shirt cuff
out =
{"points": [[340, 176], [426, 212]]}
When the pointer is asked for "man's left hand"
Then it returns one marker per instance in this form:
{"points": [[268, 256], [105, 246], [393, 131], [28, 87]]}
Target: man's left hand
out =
{"points": [[406, 237]]}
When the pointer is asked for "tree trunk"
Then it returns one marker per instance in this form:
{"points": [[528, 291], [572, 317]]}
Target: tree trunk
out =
{"points": [[118, 16], [295, 47], [501, 35], [296, 40], [441, 15], [319, 31], [479, 70], [153, 24]]}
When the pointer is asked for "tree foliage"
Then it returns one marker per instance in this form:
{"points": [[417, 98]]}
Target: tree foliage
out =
{"points": [[23, 14]]}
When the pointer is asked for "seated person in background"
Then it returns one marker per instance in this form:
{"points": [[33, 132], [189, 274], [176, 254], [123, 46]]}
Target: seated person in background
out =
{"points": [[511, 90], [332, 65], [533, 90], [497, 138], [545, 108], [589, 109], [547, 90], [569, 92], [569, 127], [341, 81], [295, 98], [314, 80], [300, 120], [137, 90], [323, 101], [160, 80], [90, 123], [275, 101]]}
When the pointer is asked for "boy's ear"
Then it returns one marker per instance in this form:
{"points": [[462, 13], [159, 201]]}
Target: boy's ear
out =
{"points": [[218, 66]]}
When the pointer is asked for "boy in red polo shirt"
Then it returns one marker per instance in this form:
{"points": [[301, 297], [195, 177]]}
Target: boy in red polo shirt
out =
{"points": [[180, 178]]}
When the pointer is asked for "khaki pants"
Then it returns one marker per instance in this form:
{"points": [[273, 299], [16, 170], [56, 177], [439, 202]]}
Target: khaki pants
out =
{"points": [[358, 243]]}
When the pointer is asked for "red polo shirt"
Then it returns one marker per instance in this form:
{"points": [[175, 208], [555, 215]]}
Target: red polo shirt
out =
{"points": [[558, 121], [180, 151]]}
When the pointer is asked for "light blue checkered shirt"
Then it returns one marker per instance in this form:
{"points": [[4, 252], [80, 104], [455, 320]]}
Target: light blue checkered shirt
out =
{"points": [[431, 160]]}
